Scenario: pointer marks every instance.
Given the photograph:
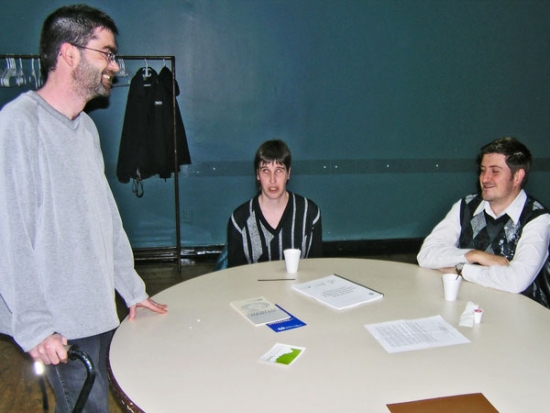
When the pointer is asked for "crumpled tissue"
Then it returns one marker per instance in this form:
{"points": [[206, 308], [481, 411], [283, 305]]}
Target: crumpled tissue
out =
{"points": [[467, 317]]}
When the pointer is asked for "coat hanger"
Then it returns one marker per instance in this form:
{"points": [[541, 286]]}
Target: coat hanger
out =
{"points": [[9, 73], [122, 71], [34, 78], [146, 71], [20, 78], [122, 77]]}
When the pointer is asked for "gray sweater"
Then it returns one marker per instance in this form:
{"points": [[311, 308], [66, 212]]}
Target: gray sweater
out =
{"points": [[63, 248]]}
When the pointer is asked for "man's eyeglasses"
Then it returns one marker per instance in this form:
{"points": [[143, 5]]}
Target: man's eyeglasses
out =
{"points": [[111, 57]]}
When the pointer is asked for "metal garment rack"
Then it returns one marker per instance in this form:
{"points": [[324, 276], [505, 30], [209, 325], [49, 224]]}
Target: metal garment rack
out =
{"points": [[177, 253], [19, 56]]}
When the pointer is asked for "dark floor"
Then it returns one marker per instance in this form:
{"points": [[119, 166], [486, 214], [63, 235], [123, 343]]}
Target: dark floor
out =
{"points": [[20, 391]]}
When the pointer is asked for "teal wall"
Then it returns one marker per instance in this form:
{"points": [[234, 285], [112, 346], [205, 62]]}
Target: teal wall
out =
{"points": [[383, 103]]}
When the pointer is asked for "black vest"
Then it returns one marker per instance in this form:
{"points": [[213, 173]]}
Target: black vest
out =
{"points": [[501, 236]]}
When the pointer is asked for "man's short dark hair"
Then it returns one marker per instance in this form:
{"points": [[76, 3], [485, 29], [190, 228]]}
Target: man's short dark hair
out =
{"points": [[273, 151], [70, 24], [516, 153]]}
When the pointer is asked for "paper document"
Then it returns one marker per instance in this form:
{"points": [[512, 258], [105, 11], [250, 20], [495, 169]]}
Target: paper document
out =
{"points": [[422, 333], [284, 325], [474, 402], [283, 354], [337, 292], [260, 311]]}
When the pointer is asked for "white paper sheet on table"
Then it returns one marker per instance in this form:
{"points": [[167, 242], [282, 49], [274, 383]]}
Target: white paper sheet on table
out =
{"points": [[338, 292], [422, 333]]}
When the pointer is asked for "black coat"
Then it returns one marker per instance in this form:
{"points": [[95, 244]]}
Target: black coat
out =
{"points": [[147, 142]]}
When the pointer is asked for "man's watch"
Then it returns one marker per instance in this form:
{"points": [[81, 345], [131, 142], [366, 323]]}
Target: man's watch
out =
{"points": [[458, 268]]}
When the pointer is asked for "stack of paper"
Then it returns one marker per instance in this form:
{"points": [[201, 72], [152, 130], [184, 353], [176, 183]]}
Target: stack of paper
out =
{"points": [[260, 311], [337, 292]]}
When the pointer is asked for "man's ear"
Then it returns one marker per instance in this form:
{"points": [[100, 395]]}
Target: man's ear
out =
{"points": [[69, 54], [519, 176]]}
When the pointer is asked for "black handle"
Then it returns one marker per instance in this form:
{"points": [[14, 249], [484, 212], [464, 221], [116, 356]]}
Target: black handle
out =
{"points": [[75, 353]]}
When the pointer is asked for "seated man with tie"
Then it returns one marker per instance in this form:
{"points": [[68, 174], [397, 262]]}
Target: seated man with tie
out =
{"points": [[498, 238]]}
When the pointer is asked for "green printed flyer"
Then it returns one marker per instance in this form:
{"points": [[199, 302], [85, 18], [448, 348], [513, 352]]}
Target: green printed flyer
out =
{"points": [[283, 354]]}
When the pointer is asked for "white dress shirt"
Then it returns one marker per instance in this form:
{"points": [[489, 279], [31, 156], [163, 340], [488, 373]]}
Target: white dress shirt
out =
{"points": [[440, 249]]}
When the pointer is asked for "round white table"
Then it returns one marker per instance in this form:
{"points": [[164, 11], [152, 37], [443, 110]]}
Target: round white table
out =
{"points": [[203, 356]]}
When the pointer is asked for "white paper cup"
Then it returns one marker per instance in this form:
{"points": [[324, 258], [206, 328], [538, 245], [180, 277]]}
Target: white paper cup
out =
{"points": [[292, 259], [478, 313], [451, 285]]}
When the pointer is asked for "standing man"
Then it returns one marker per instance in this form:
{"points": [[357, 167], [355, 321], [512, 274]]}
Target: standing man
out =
{"points": [[500, 237], [64, 250], [275, 219]]}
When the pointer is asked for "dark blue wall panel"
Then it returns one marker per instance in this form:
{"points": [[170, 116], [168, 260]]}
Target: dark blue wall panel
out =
{"points": [[383, 103]]}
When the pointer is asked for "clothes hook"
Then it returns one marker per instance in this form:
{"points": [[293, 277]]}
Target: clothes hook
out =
{"points": [[146, 70]]}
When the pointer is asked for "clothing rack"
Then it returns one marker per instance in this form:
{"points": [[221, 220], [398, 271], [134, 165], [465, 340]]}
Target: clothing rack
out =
{"points": [[19, 56], [177, 253]]}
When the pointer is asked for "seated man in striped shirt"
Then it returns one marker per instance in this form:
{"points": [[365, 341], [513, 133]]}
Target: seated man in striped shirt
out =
{"points": [[275, 219]]}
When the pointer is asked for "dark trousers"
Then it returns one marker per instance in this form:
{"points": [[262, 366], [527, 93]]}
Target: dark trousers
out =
{"points": [[68, 378]]}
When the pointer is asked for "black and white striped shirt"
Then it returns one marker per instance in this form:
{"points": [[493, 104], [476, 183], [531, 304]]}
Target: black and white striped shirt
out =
{"points": [[251, 239]]}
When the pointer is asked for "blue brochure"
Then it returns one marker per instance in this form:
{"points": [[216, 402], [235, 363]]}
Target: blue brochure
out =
{"points": [[287, 324]]}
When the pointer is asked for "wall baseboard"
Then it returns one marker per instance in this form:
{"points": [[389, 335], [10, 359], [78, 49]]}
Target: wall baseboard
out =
{"points": [[362, 248], [353, 248]]}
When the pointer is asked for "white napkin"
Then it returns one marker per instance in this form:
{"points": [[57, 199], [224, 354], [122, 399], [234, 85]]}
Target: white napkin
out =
{"points": [[467, 317]]}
